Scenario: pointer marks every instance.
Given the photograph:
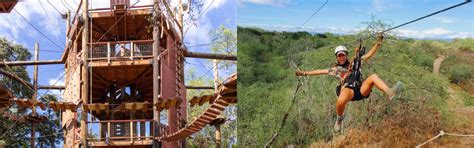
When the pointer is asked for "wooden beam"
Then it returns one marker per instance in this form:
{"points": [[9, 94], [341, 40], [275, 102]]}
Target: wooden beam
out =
{"points": [[16, 78], [210, 56], [24, 63], [156, 76], [52, 87], [198, 87]]}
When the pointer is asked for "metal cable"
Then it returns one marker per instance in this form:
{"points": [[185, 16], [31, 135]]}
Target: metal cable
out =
{"points": [[314, 13]]}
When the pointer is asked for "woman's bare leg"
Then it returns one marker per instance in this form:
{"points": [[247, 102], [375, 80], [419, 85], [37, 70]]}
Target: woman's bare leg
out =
{"points": [[370, 82], [344, 97], [380, 84]]}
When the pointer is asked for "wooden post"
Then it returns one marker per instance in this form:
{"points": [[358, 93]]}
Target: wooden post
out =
{"points": [[216, 90], [35, 74], [84, 72], [180, 19], [131, 131], [132, 50], [156, 75], [218, 135], [68, 24], [35, 94], [108, 53], [216, 76], [108, 131], [132, 115]]}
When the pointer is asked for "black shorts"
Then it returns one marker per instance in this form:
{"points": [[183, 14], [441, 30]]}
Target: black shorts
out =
{"points": [[357, 94]]}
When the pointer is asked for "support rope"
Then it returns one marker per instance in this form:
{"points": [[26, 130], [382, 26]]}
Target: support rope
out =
{"points": [[441, 133]]}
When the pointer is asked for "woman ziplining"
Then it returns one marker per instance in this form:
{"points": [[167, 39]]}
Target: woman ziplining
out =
{"points": [[351, 87], [343, 70]]}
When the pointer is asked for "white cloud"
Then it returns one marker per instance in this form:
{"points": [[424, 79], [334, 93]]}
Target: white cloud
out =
{"points": [[335, 30], [47, 21], [57, 81], [445, 19], [198, 32], [381, 5], [213, 4], [278, 3], [438, 33], [435, 33], [378, 5]]}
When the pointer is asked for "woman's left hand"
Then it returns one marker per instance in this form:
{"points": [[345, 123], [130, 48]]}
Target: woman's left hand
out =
{"points": [[380, 37]]}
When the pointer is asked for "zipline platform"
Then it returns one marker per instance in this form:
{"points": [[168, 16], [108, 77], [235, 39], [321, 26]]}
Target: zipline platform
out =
{"points": [[7, 7], [5, 96]]}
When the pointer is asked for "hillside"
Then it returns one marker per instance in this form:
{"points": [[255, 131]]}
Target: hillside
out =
{"points": [[428, 104]]}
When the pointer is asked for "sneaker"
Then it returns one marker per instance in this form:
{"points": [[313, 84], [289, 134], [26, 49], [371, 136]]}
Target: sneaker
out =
{"points": [[338, 124], [396, 89]]}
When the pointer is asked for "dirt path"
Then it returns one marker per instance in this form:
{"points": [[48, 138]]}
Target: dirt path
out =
{"points": [[437, 64]]}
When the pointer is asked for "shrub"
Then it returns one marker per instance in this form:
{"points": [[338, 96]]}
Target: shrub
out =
{"points": [[459, 73]]}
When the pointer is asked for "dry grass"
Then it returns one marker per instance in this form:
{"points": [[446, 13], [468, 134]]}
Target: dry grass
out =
{"points": [[405, 129]]}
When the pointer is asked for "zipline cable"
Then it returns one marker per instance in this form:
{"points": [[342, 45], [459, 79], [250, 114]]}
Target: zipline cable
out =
{"points": [[34, 27], [434, 13], [420, 18], [314, 13]]}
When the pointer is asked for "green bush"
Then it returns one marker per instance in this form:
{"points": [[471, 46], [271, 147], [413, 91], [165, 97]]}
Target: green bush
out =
{"points": [[468, 100], [423, 59], [459, 73]]}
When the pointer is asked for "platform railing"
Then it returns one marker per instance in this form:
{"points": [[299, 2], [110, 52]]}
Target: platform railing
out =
{"points": [[139, 49], [122, 130]]}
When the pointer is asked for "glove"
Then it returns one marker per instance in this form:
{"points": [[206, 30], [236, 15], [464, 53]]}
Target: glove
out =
{"points": [[380, 37]]}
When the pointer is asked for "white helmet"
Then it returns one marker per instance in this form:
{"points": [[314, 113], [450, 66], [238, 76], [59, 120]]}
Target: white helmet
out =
{"points": [[339, 49]]}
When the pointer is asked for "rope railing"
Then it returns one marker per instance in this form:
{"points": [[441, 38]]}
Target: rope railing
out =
{"points": [[441, 133]]}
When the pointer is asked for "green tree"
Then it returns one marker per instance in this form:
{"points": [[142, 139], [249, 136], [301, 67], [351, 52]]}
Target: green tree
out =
{"points": [[15, 131]]}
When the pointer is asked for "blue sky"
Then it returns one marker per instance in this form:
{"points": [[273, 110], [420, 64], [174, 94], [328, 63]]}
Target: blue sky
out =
{"points": [[346, 16], [45, 15]]}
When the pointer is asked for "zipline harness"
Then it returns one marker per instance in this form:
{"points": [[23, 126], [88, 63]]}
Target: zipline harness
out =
{"points": [[354, 79]]}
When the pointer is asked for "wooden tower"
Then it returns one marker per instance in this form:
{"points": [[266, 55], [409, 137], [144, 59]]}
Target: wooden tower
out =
{"points": [[123, 70]]}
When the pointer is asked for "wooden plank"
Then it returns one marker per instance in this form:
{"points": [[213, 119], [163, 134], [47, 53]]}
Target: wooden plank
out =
{"points": [[42, 106], [217, 106], [85, 107], [207, 118], [202, 100], [214, 111], [178, 103], [172, 103], [97, 108], [164, 104], [200, 122], [144, 11], [119, 63], [62, 106], [222, 102], [193, 101]]}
